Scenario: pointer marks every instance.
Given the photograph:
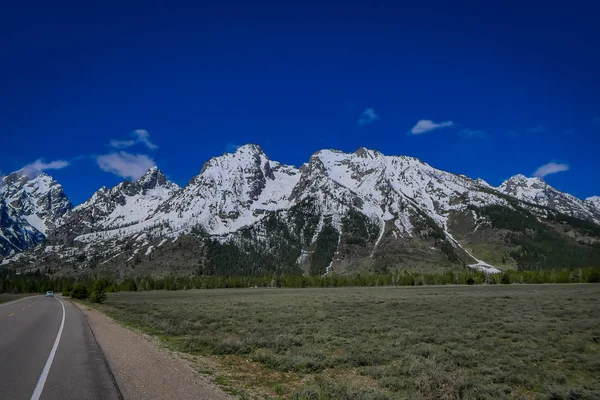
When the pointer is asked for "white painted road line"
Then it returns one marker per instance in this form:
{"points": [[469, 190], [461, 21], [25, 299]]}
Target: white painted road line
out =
{"points": [[42, 381]]}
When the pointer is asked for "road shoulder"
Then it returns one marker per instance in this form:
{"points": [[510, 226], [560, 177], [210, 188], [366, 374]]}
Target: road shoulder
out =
{"points": [[144, 370], [79, 369]]}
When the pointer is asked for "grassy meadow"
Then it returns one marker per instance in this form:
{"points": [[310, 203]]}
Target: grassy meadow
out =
{"points": [[6, 297], [443, 342]]}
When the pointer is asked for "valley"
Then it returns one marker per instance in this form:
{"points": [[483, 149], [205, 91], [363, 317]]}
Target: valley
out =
{"points": [[484, 342]]}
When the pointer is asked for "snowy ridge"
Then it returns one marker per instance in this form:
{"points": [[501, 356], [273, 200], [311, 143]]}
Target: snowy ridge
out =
{"points": [[537, 191], [39, 198], [593, 202], [402, 195], [384, 187], [30, 204], [239, 189], [232, 191], [126, 204]]}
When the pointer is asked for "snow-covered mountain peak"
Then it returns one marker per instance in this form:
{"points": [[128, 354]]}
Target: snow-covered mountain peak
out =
{"points": [[125, 204], [537, 191], [231, 191], [523, 181], [528, 189], [155, 178], [37, 198], [518, 178], [246, 157], [368, 153], [249, 148], [30, 204]]}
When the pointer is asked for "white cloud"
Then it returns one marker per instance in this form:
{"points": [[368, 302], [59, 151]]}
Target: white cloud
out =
{"points": [[125, 165], [140, 136], [550, 168], [538, 129], [144, 137], [473, 133], [121, 144], [427, 125], [368, 117], [39, 166]]}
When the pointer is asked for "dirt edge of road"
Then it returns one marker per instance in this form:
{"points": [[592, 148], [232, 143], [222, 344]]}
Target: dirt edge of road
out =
{"points": [[142, 368]]}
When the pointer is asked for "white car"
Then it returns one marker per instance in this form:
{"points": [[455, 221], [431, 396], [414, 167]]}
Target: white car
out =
{"points": [[49, 293]]}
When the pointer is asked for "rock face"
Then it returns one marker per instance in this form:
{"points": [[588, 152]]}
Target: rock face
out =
{"points": [[246, 214], [29, 208]]}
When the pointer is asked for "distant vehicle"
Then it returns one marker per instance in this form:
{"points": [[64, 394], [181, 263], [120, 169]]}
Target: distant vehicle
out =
{"points": [[49, 293]]}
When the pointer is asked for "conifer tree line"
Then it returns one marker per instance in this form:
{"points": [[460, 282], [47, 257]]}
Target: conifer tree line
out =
{"points": [[536, 245], [88, 287]]}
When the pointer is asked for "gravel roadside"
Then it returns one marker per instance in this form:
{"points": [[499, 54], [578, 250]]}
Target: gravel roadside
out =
{"points": [[142, 369]]}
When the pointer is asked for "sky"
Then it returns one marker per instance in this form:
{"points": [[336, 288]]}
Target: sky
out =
{"points": [[97, 92]]}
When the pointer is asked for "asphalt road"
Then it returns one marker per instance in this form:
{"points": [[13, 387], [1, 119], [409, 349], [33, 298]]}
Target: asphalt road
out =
{"points": [[30, 329]]}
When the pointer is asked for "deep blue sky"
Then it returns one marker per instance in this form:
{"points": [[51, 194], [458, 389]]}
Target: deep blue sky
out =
{"points": [[296, 78]]}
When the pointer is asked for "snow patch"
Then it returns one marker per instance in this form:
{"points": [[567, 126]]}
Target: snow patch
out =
{"points": [[35, 221], [381, 233], [482, 266]]}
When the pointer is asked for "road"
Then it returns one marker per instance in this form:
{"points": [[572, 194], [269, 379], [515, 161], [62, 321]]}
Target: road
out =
{"points": [[38, 360]]}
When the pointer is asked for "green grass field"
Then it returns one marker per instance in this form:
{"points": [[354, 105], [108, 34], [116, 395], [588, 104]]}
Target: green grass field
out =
{"points": [[451, 342]]}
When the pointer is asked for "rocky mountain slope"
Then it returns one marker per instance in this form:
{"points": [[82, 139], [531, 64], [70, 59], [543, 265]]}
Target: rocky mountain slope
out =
{"points": [[362, 211], [537, 191], [593, 202], [124, 205], [30, 205]]}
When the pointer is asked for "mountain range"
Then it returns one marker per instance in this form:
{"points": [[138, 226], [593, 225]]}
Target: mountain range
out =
{"points": [[339, 212]]}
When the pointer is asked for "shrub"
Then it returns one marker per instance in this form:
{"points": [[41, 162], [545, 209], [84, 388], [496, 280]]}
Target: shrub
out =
{"points": [[128, 285], [80, 292], [67, 289], [98, 294], [98, 297]]}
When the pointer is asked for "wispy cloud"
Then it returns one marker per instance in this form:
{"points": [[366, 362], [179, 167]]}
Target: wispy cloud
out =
{"points": [[125, 165], [550, 168], [368, 117], [538, 129], [40, 165], [121, 144], [473, 133], [427, 125], [144, 137], [139, 136]]}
